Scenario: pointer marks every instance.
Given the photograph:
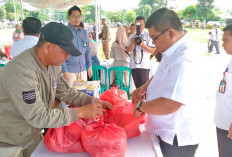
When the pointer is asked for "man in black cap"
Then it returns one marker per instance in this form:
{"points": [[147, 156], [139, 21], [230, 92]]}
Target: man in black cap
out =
{"points": [[29, 85]]}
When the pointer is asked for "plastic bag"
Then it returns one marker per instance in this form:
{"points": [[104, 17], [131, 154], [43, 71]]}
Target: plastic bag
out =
{"points": [[66, 139], [104, 140], [114, 96], [123, 116]]}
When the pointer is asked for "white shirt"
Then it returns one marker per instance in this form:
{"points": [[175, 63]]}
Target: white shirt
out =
{"points": [[18, 47], [176, 79], [215, 33], [223, 108], [145, 64]]}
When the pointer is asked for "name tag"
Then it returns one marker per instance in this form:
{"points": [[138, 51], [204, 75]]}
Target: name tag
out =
{"points": [[222, 87]]}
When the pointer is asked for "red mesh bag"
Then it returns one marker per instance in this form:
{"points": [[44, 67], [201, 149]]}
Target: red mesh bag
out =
{"points": [[104, 140], [66, 139], [123, 116]]}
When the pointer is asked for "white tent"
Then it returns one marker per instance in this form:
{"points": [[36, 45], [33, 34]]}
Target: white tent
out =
{"points": [[32, 5]]}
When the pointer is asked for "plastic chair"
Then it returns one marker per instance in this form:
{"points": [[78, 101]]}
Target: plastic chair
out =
{"points": [[119, 78], [96, 76]]}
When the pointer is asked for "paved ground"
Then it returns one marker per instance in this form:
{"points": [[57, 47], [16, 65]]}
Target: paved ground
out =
{"points": [[212, 67]]}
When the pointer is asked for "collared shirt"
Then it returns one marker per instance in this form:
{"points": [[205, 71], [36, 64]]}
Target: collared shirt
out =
{"points": [[77, 64], [223, 108], [176, 78], [18, 47], [145, 64], [215, 33]]}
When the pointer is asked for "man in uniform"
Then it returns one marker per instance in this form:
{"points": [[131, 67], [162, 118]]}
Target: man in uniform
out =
{"points": [[29, 84], [105, 36], [74, 68]]}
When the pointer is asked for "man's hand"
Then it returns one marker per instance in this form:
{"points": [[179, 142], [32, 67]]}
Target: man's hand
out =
{"points": [[93, 110], [105, 104], [90, 72], [138, 94], [66, 75], [142, 43], [230, 132]]}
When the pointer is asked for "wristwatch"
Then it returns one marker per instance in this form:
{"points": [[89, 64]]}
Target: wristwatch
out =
{"points": [[137, 106]]}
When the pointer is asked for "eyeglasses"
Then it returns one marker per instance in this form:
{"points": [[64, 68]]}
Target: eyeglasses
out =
{"points": [[155, 38], [76, 17]]}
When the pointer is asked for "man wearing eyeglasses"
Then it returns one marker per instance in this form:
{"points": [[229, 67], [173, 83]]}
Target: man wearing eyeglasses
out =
{"points": [[172, 93], [74, 68], [140, 54]]}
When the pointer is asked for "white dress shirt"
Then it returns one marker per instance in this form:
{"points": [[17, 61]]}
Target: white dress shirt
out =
{"points": [[176, 79], [18, 47], [145, 64], [223, 108]]}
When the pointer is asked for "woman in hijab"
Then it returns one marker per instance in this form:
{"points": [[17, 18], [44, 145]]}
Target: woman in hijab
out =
{"points": [[18, 33], [118, 52]]}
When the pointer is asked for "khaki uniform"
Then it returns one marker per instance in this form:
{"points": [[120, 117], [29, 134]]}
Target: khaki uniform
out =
{"points": [[105, 41], [27, 95]]}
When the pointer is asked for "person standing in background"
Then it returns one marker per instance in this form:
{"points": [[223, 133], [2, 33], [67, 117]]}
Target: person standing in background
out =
{"points": [[140, 53], [31, 30], [105, 37], [18, 33], [75, 67], [118, 52], [132, 29], [215, 39]]}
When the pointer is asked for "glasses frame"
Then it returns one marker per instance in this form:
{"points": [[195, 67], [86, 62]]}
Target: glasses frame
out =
{"points": [[155, 38]]}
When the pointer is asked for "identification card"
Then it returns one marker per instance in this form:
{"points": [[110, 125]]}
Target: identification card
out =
{"points": [[222, 86]]}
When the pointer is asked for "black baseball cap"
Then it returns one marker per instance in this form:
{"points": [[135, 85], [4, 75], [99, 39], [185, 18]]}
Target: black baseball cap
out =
{"points": [[59, 34]]}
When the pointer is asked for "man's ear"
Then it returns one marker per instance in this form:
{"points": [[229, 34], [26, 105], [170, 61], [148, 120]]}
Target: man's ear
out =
{"points": [[171, 32], [47, 47]]}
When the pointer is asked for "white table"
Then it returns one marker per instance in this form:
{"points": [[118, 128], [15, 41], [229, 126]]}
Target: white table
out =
{"points": [[140, 146], [108, 64]]}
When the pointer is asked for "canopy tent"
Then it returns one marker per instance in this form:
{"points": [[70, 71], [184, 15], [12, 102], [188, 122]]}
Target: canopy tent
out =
{"points": [[33, 5], [52, 4]]}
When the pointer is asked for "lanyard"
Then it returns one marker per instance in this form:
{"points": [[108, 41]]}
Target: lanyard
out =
{"points": [[134, 53]]}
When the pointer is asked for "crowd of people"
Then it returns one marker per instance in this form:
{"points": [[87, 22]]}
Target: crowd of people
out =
{"points": [[49, 59]]}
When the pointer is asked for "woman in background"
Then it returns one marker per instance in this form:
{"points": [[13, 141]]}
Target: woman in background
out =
{"points": [[18, 33], [118, 52]]}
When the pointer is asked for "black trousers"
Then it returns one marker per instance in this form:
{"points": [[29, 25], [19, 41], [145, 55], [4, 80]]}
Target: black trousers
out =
{"points": [[214, 43], [177, 151], [140, 76], [224, 143]]}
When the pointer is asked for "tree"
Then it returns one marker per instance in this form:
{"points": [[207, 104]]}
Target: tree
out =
{"points": [[9, 8], [204, 9], [2, 13], [154, 4], [114, 16], [130, 16], [88, 12], [190, 14]]}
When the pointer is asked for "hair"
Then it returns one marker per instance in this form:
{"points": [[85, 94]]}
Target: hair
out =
{"points": [[140, 18], [228, 28], [41, 42], [82, 25], [163, 19], [31, 26], [133, 24], [210, 33], [72, 9]]}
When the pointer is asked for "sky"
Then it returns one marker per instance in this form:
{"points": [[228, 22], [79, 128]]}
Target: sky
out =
{"points": [[109, 5]]}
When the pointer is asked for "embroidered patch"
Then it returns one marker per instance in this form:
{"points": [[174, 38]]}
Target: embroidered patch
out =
{"points": [[29, 96]]}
